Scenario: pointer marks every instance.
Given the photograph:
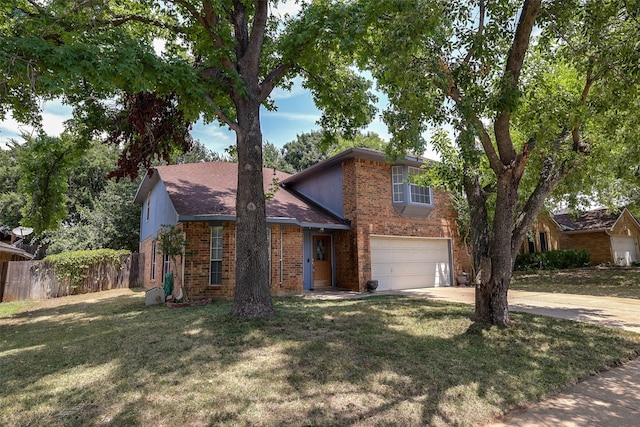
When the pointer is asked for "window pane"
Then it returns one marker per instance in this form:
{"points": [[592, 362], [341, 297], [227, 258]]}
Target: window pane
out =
{"points": [[418, 193], [397, 178], [215, 272]]}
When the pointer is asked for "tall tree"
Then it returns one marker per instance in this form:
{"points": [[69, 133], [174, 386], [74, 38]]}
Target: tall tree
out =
{"points": [[221, 61], [304, 151], [527, 86]]}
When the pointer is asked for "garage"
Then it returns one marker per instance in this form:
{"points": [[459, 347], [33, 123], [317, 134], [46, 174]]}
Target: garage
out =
{"points": [[625, 250], [410, 262]]}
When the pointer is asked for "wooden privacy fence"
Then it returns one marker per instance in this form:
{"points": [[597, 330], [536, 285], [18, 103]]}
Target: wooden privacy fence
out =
{"points": [[21, 280]]}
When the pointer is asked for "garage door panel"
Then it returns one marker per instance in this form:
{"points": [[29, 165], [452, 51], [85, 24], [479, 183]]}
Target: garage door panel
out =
{"points": [[405, 263], [624, 250]]}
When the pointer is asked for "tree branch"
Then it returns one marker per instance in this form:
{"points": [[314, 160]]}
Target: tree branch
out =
{"points": [[260, 17], [515, 60], [579, 145], [222, 116], [271, 80], [121, 20], [472, 51], [452, 91]]}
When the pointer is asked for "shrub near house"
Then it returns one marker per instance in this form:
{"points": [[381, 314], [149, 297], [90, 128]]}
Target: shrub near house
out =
{"points": [[553, 260]]}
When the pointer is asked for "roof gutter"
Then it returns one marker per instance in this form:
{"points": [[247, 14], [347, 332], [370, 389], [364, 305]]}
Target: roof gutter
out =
{"points": [[270, 220]]}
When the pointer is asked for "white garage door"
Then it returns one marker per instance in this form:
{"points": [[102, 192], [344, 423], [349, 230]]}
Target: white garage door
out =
{"points": [[624, 250], [406, 263]]}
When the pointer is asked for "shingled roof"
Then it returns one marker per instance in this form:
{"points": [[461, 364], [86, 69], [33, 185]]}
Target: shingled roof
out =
{"points": [[204, 191], [598, 219]]}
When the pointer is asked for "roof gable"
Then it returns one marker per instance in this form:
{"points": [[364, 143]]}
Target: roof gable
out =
{"points": [[597, 219], [202, 191]]}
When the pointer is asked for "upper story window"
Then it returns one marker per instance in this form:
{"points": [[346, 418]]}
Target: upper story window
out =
{"points": [[410, 198], [148, 207], [417, 193]]}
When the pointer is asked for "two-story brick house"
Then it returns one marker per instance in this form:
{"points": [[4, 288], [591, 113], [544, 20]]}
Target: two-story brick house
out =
{"points": [[352, 218]]}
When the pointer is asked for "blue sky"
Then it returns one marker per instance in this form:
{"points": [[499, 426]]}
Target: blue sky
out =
{"points": [[296, 114]]}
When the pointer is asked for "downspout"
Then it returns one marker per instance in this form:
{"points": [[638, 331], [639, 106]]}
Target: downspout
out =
{"points": [[182, 260], [281, 255]]}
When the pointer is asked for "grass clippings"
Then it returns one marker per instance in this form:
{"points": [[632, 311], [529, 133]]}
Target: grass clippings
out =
{"points": [[382, 360], [621, 282]]}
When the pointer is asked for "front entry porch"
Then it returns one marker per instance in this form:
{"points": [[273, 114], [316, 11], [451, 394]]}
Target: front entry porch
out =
{"points": [[319, 264]]}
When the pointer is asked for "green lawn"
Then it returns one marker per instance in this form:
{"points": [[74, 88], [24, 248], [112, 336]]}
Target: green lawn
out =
{"points": [[597, 281], [381, 360]]}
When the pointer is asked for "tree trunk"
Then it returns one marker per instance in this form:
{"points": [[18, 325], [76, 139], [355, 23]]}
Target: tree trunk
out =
{"points": [[252, 293], [491, 295], [479, 228]]}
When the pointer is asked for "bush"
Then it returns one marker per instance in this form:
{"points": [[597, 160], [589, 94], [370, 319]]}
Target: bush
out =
{"points": [[553, 260], [75, 265]]}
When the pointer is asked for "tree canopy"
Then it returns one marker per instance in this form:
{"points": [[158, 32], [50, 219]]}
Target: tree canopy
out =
{"points": [[221, 61], [533, 91]]}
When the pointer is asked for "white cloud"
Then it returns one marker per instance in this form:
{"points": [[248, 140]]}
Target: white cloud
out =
{"points": [[53, 117], [299, 117], [296, 89], [287, 7]]}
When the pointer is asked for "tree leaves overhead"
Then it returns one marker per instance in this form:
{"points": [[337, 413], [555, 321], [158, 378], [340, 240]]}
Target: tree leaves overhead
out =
{"points": [[148, 127]]}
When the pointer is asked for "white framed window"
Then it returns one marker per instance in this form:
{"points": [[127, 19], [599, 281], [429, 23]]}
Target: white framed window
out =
{"points": [[166, 267], [397, 179], [418, 193], [148, 207], [215, 270], [153, 260]]}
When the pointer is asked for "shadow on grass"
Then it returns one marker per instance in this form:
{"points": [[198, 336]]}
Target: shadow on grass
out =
{"points": [[380, 360]]}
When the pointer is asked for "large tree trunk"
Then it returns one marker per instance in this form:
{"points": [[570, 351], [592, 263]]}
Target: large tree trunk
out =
{"points": [[491, 294], [252, 294], [479, 229]]}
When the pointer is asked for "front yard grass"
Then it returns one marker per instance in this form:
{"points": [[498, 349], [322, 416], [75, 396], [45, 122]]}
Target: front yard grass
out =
{"points": [[381, 360], [596, 281]]}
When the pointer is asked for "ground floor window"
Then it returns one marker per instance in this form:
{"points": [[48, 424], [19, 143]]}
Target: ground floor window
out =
{"points": [[543, 242], [215, 276], [153, 261], [166, 268]]}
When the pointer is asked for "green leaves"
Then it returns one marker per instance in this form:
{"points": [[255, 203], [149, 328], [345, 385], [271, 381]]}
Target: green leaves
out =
{"points": [[44, 164]]}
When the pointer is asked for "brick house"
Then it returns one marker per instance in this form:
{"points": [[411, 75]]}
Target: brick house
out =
{"points": [[352, 218], [543, 236], [610, 237]]}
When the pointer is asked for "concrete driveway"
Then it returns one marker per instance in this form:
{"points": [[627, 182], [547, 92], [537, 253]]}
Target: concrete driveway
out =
{"points": [[610, 398], [614, 312]]}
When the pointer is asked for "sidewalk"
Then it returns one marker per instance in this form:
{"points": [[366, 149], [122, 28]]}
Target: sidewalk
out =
{"points": [[610, 398]]}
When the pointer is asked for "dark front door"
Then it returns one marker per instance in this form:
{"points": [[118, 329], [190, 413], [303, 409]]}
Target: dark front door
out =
{"points": [[321, 246]]}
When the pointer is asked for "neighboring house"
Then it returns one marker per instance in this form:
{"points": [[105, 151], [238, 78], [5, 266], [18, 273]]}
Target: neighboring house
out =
{"points": [[543, 236], [610, 238], [352, 218], [11, 253]]}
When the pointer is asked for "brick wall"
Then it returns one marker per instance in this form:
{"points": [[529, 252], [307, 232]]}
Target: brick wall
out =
{"points": [[146, 248], [197, 263], [598, 243], [367, 197]]}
